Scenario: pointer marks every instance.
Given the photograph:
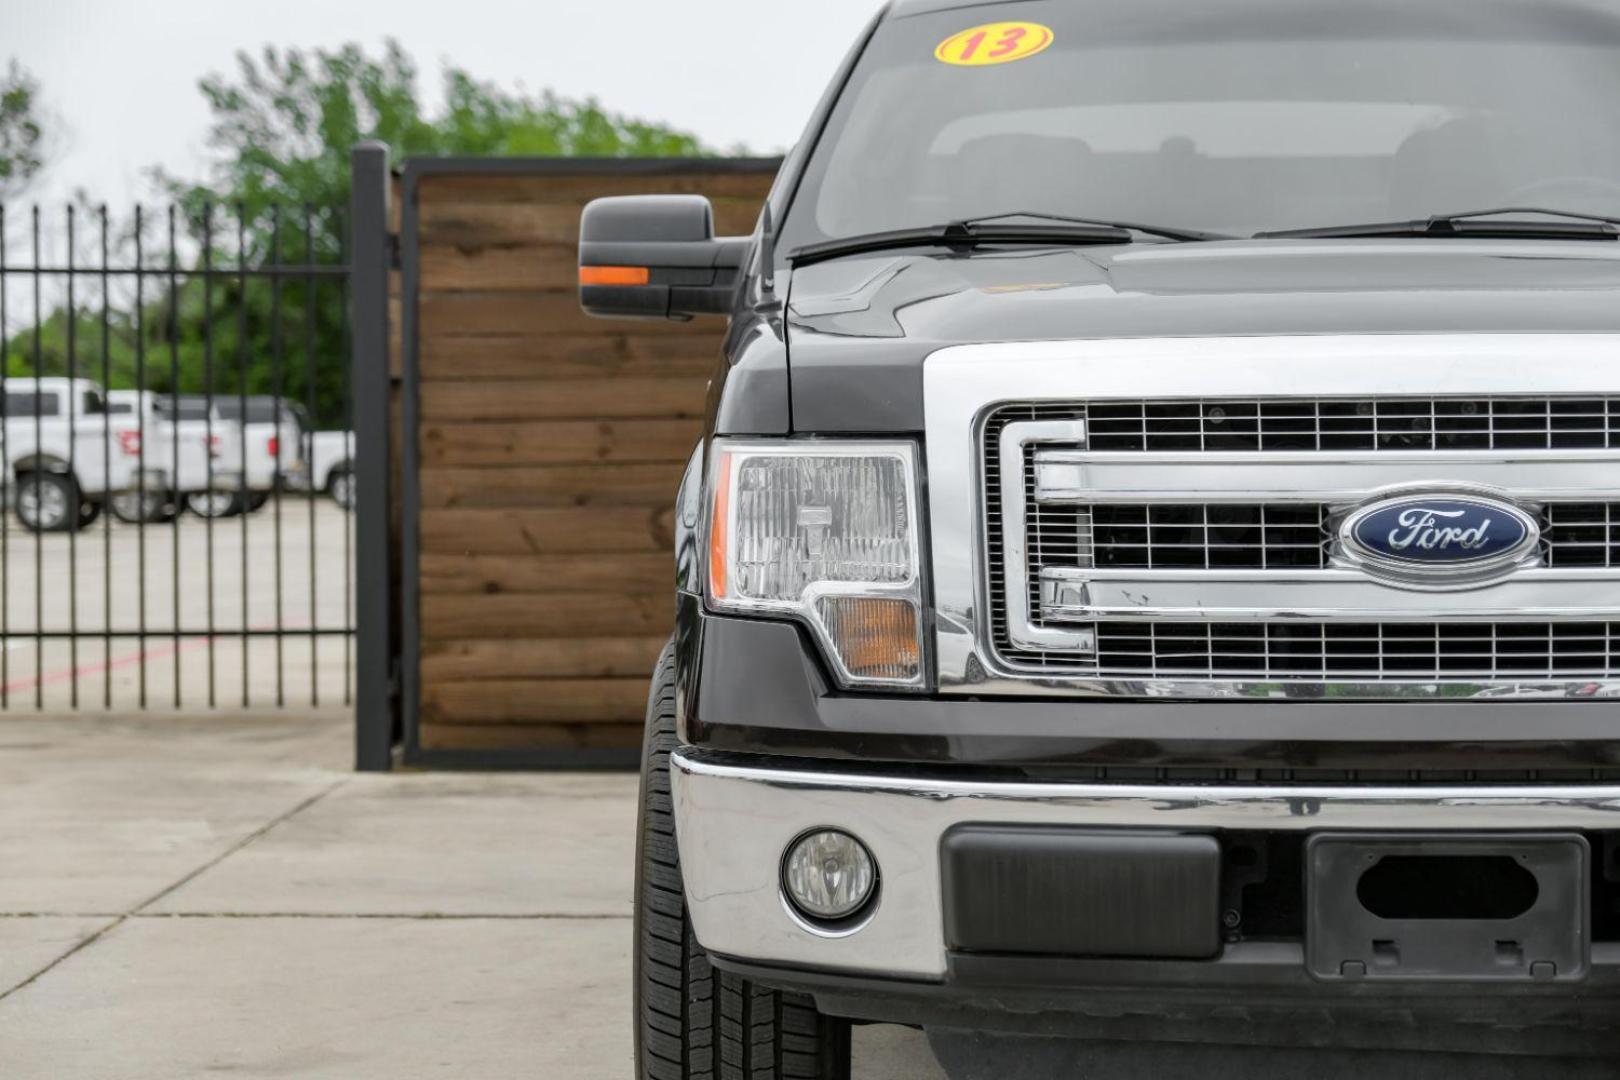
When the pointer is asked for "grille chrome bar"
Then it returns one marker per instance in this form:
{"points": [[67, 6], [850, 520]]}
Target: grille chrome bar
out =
{"points": [[1077, 476], [1341, 596], [1021, 627], [1261, 536]]}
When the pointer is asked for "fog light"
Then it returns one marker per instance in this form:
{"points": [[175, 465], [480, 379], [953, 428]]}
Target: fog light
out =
{"points": [[829, 875]]}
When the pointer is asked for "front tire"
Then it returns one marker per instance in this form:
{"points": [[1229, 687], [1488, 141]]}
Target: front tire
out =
{"points": [[215, 504], [692, 1021], [48, 503], [341, 488], [150, 508]]}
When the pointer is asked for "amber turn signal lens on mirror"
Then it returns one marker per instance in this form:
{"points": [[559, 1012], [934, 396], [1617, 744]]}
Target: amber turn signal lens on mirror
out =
{"points": [[614, 275]]}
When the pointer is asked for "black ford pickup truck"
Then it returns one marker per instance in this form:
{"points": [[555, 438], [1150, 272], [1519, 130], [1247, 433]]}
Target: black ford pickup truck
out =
{"points": [[1153, 568]]}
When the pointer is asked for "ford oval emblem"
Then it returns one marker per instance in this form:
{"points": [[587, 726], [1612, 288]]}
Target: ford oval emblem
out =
{"points": [[1439, 539]]}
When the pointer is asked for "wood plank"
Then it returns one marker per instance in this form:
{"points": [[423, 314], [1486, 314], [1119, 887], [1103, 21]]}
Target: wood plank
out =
{"points": [[564, 615], [582, 187], [507, 222], [535, 312], [568, 399], [475, 225], [509, 658], [548, 532], [559, 442], [525, 701], [493, 575], [638, 354], [499, 267], [444, 736], [551, 486]]}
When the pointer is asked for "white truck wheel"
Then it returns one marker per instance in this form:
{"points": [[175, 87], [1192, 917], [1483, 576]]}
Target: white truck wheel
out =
{"points": [[341, 488], [136, 508], [214, 504], [47, 502]]}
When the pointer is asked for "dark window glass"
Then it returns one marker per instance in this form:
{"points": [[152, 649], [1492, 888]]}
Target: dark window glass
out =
{"points": [[189, 408], [261, 410], [24, 404]]}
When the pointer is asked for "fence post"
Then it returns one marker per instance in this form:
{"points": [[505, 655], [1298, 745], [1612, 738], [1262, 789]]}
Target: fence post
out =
{"points": [[375, 697]]}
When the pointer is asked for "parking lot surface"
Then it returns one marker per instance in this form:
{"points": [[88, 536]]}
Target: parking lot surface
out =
{"points": [[182, 897], [285, 567]]}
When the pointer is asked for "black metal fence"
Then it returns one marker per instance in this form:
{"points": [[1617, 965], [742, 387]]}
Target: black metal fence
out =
{"points": [[178, 460]]}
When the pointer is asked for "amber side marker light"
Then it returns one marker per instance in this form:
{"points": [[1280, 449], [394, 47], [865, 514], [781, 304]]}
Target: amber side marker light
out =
{"points": [[614, 275], [719, 523]]}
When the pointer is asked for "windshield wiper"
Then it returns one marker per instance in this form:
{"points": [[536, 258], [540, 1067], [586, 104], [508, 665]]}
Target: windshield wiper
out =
{"points": [[1571, 226], [1185, 236], [958, 235], [1049, 230]]}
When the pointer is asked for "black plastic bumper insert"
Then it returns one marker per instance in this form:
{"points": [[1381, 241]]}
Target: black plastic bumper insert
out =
{"points": [[1448, 907]]}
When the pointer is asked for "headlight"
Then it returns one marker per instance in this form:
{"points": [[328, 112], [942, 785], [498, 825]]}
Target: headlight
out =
{"points": [[827, 533]]}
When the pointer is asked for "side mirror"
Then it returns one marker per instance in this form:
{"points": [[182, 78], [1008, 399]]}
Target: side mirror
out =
{"points": [[656, 257]]}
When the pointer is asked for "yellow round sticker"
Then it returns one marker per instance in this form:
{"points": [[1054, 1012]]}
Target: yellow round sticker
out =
{"points": [[995, 43]]}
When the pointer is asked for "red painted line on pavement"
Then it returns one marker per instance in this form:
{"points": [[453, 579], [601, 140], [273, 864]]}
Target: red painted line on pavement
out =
{"points": [[141, 657]]}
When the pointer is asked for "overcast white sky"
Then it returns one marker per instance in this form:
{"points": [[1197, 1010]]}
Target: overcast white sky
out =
{"points": [[121, 75]]}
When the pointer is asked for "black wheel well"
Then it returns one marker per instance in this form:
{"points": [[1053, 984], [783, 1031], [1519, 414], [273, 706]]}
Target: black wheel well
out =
{"points": [[41, 463]]}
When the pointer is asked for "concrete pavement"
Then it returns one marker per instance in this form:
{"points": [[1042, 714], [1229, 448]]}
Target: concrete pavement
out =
{"points": [[286, 567], [181, 897]]}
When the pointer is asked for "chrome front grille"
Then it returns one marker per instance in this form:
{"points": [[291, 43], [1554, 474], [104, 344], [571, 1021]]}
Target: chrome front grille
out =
{"points": [[1084, 519], [1368, 425], [1185, 517]]}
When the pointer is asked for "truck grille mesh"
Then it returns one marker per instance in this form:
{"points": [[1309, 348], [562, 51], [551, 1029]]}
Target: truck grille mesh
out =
{"points": [[1295, 536], [1405, 424], [1373, 652]]}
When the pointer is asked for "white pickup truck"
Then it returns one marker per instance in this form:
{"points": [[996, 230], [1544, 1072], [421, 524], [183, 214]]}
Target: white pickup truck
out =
{"points": [[269, 440], [63, 455], [190, 451], [329, 465]]}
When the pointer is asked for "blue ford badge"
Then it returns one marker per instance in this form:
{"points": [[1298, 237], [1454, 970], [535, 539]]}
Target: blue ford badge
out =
{"points": [[1439, 538]]}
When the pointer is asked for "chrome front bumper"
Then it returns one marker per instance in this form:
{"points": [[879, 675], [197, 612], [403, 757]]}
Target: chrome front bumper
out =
{"points": [[734, 821]]}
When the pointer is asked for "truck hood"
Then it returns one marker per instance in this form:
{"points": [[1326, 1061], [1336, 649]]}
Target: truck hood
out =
{"points": [[860, 328]]}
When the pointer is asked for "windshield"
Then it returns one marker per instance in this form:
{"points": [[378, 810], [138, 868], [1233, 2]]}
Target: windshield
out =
{"points": [[1228, 116]]}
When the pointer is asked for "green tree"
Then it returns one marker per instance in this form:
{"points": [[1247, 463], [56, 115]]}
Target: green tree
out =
{"points": [[22, 133], [282, 128]]}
